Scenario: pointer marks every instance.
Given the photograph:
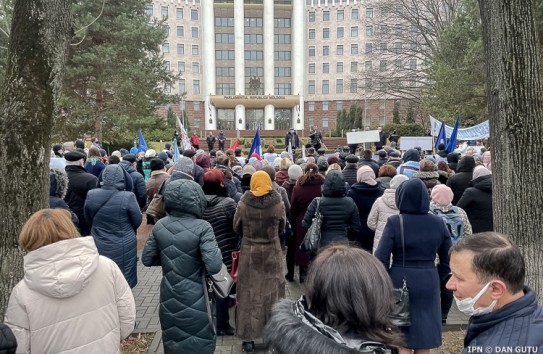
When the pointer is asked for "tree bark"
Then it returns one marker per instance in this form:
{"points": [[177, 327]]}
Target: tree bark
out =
{"points": [[99, 115], [40, 33], [515, 103]]}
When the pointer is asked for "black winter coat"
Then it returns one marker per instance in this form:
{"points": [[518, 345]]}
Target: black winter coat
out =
{"points": [[340, 221], [364, 196], [80, 183], [349, 173], [8, 342], [477, 203], [139, 183], [462, 178], [55, 202]]}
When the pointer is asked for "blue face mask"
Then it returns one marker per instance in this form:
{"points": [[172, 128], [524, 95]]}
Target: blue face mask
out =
{"points": [[466, 305]]}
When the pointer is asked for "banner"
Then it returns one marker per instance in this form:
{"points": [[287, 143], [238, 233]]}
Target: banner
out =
{"points": [[142, 143], [479, 131], [441, 137], [186, 141], [451, 144]]}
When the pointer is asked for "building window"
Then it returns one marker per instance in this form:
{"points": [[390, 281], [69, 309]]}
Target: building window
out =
{"points": [[398, 29], [369, 31], [311, 106], [281, 55], [196, 123], [354, 49], [281, 22], [369, 12], [312, 51], [325, 122], [382, 104], [339, 85], [325, 68], [354, 14], [326, 15], [256, 71], [354, 86], [354, 66], [354, 31], [224, 54], [383, 65], [368, 65], [384, 12], [224, 38], [382, 120], [325, 105], [194, 31], [311, 33], [339, 67], [167, 88], [252, 38], [179, 13], [149, 10], [398, 64], [397, 47], [339, 49], [369, 48], [368, 82], [249, 22], [281, 38], [413, 64], [311, 88], [180, 48], [196, 106], [182, 87], [311, 121], [326, 33], [196, 87], [340, 32], [180, 31], [165, 48], [325, 50], [164, 11], [195, 67], [281, 72], [382, 47], [311, 68], [166, 30], [339, 105], [325, 86], [282, 89], [194, 15], [340, 15], [181, 66], [312, 16], [195, 49], [384, 29], [253, 55], [167, 65]]}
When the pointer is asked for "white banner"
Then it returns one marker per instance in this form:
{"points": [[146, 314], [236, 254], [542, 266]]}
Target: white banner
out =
{"points": [[479, 131]]}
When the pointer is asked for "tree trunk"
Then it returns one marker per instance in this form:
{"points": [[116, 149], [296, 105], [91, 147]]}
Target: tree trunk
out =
{"points": [[99, 115], [40, 33], [515, 95]]}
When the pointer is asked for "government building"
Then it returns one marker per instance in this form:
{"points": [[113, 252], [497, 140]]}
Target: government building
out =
{"points": [[273, 64]]}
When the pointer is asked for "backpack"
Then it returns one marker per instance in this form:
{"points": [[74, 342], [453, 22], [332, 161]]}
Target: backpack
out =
{"points": [[454, 222]]}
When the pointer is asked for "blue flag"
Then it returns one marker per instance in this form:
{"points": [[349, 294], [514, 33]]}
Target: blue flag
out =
{"points": [[441, 137], [255, 146], [451, 145], [176, 154], [142, 144]]}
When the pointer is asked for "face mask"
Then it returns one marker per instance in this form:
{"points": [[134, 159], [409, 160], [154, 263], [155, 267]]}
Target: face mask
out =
{"points": [[466, 305]]}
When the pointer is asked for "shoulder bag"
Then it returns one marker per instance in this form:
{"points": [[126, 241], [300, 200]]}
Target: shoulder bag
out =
{"points": [[216, 287], [400, 314], [312, 238], [156, 208]]}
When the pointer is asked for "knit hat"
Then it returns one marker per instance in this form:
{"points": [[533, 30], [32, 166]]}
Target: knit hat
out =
{"points": [[156, 164], [442, 195], [365, 174], [295, 172], [480, 171], [397, 180], [300, 161], [163, 156], [248, 170], [150, 153], [237, 170], [352, 159], [261, 184], [332, 160], [184, 164], [277, 163], [394, 153], [382, 154], [103, 152], [322, 164], [133, 151], [285, 154]]}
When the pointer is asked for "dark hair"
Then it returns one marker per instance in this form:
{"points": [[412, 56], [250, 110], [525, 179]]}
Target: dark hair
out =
{"points": [[441, 146], [189, 153], [387, 171], [94, 152], [130, 158], [237, 152], [349, 290], [452, 157], [270, 171], [311, 173], [271, 149], [114, 159], [80, 144], [156, 164], [495, 256], [367, 154], [443, 166]]}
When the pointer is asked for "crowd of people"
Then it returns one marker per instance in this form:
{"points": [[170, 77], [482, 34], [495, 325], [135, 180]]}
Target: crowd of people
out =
{"points": [[75, 296]]}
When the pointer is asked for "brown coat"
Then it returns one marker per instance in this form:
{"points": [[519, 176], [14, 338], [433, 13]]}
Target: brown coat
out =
{"points": [[154, 183], [261, 282]]}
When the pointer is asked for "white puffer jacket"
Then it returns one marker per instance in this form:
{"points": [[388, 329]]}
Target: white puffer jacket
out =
{"points": [[71, 300], [383, 207]]}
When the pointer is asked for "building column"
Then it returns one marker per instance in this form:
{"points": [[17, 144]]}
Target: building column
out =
{"points": [[208, 67], [239, 71], [268, 48], [269, 117], [298, 61]]}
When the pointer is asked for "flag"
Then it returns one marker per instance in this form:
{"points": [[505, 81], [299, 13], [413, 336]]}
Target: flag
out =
{"points": [[184, 136], [289, 150], [303, 153], [235, 146], [451, 145], [176, 154], [441, 137], [142, 144], [255, 146]]}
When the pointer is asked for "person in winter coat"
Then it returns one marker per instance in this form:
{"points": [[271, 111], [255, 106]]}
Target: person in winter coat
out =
{"points": [[195, 141], [364, 193], [410, 165], [282, 175], [94, 164], [444, 172], [306, 189], [424, 236], [386, 173], [427, 174], [462, 177], [488, 281], [203, 160], [146, 164], [441, 154], [383, 208], [477, 201], [219, 213], [383, 158], [341, 221], [367, 160], [115, 217], [394, 159], [71, 299], [344, 283], [452, 160], [138, 181], [8, 342], [58, 185], [259, 218], [158, 176], [282, 191], [294, 173], [349, 172], [80, 183], [185, 246]]}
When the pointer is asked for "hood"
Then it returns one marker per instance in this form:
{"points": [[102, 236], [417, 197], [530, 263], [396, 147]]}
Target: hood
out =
{"points": [[426, 175], [183, 197], [442, 153], [127, 166], [264, 202], [467, 164], [389, 198], [411, 155], [483, 183], [58, 183], [412, 197], [61, 269], [115, 177], [213, 200], [334, 185]]}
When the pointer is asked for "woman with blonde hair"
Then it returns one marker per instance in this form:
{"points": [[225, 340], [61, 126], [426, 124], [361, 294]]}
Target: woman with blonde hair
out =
{"points": [[333, 167], [71, 299], [282, 175]]}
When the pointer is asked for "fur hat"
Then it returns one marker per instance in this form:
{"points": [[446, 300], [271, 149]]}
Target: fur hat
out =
{"points": [[397, 180], [480, 171], [365, 174], [285, 154], [295, 172], [442, 195], [248, 170], [352, 159], [58, 183], [150, 153], [74, 156]]}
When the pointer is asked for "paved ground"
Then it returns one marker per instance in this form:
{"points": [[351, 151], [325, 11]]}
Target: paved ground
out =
{"points": [[146, 294]]}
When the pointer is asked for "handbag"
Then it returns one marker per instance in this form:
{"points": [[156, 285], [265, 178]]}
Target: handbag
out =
{"points": [[235, 264], [401, 315], [156, 208], [216, 287], [312, 238]]}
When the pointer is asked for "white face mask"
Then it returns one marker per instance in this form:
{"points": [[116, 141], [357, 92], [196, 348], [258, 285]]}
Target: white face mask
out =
{"points": [[466, 305]]}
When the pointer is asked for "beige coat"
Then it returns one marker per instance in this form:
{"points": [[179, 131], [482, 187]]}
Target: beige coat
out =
{"points": [[71, 300], [261, 282], [383, 207]]}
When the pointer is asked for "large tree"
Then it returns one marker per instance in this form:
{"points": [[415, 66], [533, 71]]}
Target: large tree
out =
{"points": [[6, 10], [37, 50], [515, 103]]}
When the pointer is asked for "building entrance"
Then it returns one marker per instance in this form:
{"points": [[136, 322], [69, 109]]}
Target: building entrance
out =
{"points": [[254, 119], [226, 119]]}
